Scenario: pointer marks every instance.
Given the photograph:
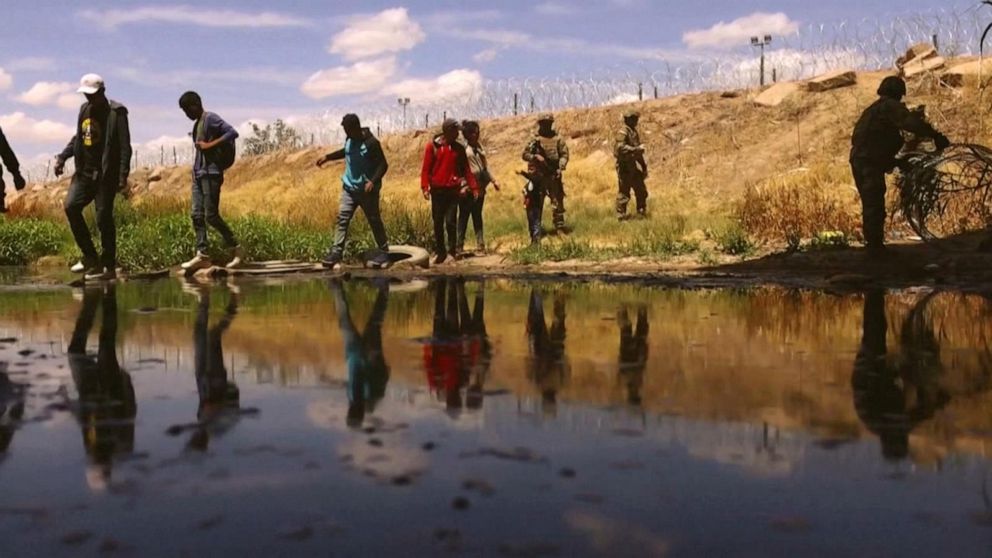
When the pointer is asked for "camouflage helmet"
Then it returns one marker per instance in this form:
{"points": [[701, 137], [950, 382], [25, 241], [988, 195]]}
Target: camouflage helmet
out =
{"points": [[545, 117], [892, 86], [631, 114]]}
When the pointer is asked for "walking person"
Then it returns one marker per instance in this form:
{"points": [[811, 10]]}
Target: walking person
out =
{"points": [[10, 161], [214, 141], [471, 206], [534, 195], [444, 176], [102, 151], [550, 152], [874, 145], [364, 166], [632, 170]]}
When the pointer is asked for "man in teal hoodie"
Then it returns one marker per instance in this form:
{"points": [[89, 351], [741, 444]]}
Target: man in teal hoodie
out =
{"points": [[365, 165]]}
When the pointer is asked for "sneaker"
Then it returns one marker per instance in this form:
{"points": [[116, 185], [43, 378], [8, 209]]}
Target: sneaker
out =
{"points": [[480, 249], [84, 266], [235, 262], [379, 261], [101, 274], [332, 262], [199, 261]]}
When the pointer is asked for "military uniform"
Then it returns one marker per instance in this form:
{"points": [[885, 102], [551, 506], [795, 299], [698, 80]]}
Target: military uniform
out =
{"points": [[875, 142], [547, 364], [631, 167], [555, 153]]}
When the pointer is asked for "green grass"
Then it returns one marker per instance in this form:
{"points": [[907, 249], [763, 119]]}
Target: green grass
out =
{"points": [[23, 241]]}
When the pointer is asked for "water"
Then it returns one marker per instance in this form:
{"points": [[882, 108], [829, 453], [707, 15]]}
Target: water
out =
{"points": [[313, 418]]}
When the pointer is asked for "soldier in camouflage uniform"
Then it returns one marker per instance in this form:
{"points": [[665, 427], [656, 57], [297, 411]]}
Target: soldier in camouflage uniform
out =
{"points": [[632, 170], [548, 149], [875, 143]]}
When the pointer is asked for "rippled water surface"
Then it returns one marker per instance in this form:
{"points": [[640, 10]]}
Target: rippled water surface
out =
{"points": [[319, 417]]}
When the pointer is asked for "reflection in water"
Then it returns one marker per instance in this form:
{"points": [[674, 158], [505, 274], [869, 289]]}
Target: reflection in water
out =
{"points": [[218, 409], [547, 365], [106, 406], [368, 372], [633, 351], [891, 399], [477, 350], [11, 407]]}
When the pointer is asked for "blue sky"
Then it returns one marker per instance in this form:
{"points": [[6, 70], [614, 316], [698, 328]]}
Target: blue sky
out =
{"points": [[253, 59]]}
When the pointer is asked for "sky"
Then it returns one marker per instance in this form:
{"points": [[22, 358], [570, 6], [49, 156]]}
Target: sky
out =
{"points": [[261, 60]]}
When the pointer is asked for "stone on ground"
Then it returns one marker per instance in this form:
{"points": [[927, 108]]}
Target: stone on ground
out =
{"points": [[832, 80], [774, 95]]}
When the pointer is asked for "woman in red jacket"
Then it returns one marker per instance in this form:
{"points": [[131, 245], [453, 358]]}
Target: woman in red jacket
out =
{"points": [[444, 177]]}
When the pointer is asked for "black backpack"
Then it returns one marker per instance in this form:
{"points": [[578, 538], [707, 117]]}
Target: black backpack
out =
{"points": [[222, 155]]}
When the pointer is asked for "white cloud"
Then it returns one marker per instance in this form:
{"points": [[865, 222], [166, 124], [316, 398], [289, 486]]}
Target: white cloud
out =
{"points": [[458, 84], [45, 93], [555, 9], [6, 80], [739, 31], [360, 77], [20, 127], [388, 31], [262, 75], [509, 39], [484, 56], [191, 15]]}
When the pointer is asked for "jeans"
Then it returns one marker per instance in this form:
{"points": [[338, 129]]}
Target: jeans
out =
{"points": [[83, 190], [206, 211], [350, 202], [869, 177], [444, 209], [470, 207]]}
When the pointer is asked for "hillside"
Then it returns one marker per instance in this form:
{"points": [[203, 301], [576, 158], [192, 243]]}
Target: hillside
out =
{"points": [[705, 151]]}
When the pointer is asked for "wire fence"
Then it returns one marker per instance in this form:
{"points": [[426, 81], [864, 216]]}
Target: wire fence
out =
{"points": [[866, 44]]}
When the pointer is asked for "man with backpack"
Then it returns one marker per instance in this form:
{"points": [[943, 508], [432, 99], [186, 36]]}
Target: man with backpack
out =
{"points": [[364, 166], [214, 141]]}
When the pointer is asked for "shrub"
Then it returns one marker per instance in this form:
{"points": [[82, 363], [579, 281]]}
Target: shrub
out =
{"points": [[23, 241]]}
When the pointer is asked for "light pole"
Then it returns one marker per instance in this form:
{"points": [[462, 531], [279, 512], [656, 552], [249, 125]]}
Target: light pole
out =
{"points": [[403, 102], [762, 43]]}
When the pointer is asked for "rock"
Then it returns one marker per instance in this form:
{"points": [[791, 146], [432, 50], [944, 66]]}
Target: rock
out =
{"points": [[730, 94], [917, 67], [917, 52], [156, 174], [774, 95], [832, 80], [967, 73]]}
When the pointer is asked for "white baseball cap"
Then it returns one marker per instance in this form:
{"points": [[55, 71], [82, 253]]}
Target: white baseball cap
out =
{"points": [[90, 84]]}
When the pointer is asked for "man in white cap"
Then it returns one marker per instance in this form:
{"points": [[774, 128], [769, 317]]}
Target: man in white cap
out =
{"points": [[102, 150]]}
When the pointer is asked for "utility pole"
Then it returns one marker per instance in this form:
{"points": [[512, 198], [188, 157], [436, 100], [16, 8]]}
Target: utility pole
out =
{"points": [[403, 102], [762, 43]]}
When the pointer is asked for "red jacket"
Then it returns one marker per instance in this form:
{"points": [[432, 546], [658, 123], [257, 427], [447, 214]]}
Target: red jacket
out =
{"points": [[446, 166]]}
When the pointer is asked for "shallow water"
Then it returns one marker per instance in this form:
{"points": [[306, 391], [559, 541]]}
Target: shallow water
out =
{"points": [[317, 417]]}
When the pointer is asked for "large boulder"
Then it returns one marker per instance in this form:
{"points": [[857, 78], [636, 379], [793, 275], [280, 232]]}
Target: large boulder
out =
{"points": [[919, 51], [774, 95], [919, 59], [832, 80]]}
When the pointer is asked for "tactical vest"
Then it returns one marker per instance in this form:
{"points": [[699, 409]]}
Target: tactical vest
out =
{"points": [[549, 146]]}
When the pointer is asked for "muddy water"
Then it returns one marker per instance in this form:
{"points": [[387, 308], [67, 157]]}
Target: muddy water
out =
{"points": [[312, 417]]}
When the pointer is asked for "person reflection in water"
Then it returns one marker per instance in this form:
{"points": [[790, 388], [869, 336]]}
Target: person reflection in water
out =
{"points": [[368, 373], [477, 350], [219, 405], [443, 357], [11, 408], [106, 407], [633, 352], [547, 365], [892, 397]]}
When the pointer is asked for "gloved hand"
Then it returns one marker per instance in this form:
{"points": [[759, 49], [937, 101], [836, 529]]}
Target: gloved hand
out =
{"points": [[941, 141], [59, 166], [19, 182]]}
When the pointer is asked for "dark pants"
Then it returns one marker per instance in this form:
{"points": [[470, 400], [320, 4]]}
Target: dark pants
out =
{"points": [[206, 211], [470, 207], [350, 202], [869, 177], [444, 208], [556, 192], [631, 179], [82, 191], [535, 211]]}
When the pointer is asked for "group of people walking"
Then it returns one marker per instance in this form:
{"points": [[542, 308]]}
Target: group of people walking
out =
{"points": [[455, 175]]}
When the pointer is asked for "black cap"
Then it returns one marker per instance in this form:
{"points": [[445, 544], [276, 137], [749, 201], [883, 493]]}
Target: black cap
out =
{"points": [[892, 86], [351, 119]]}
